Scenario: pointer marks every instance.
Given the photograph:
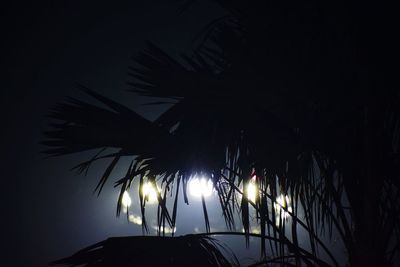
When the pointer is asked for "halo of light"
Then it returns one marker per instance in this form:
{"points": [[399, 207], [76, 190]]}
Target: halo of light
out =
{"points": [[281, 203], [126, 200], [166, 230], [150, 193], [200, 187], [135, 219], [251, 191]]}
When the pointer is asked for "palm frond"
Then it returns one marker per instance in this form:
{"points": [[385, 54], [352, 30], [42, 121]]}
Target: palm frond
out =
{"points": [[151, 251]]}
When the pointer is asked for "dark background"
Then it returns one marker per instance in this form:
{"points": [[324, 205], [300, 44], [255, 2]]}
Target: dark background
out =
{"points": [[48, 212]]}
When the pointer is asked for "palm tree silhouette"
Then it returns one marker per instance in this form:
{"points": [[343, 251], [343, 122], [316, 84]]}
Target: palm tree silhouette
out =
{"points": [[271, 95]]}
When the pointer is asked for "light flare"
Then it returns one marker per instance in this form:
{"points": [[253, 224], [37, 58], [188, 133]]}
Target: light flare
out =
{"points": [[251, 190], [282, 202], [126, 200], [166, 230], [200, 187], [135, 219], [150, 193]]}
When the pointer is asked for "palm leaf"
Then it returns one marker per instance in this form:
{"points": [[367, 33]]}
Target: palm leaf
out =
{"points": [[189, 250]]}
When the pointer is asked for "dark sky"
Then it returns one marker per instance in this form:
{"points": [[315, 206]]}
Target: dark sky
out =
{"points": [[47, 211]]}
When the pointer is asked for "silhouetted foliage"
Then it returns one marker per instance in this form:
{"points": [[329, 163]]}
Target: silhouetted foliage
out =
{"points": [[189, 250]]}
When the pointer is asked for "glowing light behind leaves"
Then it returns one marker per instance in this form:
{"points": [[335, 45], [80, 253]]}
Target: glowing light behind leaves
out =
{"points": [[251, 191], [135, 219], [126, 200], [282, 203], [200, 187], [150, 193]]}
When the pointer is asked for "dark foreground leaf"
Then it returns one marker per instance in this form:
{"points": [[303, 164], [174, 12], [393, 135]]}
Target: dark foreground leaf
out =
{"points": [[188, 250]]}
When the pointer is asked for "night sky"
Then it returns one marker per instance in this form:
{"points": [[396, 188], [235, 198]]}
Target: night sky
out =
{"points": [[47, 211]]}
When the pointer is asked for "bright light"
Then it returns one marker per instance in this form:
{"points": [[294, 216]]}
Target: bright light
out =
{"points": [[281, 203], [150, 193], [200, 187], [126, 200], [251, 190], [166, 230], [135, 219]]}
